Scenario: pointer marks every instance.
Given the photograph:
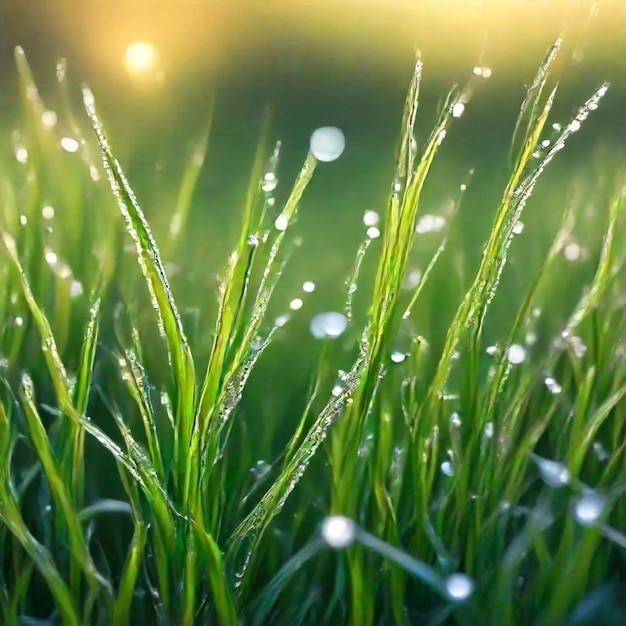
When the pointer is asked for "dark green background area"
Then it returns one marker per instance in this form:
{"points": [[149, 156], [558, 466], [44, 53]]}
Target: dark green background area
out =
{"points": [[347, 65]]}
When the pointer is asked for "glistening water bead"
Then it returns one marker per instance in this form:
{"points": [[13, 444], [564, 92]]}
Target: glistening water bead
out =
{"points": [[327, 143], [459, 587], [338, 531], [328, 325]]}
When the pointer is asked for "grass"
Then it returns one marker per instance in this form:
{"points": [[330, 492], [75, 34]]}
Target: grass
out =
{"points": [[482, 484]]}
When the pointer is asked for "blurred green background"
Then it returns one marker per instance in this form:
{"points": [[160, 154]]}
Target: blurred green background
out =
{"points": [[344, 64]]}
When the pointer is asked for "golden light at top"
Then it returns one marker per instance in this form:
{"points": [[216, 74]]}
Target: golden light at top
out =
{"points": [[140, 58]]}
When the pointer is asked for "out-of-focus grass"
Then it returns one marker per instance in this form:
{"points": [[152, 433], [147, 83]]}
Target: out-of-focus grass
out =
{"points": [[472, 482]]}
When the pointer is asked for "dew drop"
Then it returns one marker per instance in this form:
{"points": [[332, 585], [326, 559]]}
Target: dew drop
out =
{"points": [[398, 357], [281, 223], [447, 468], [338, 531], [430, 224], [553, 386], [516, 354], [76, 289], [327, 143], [572, 251], [491, 350], [270, 182], [459, 587], [69, 144], [371, 218], [308, 286], [49, 119], [260, 469], [373, 232], [21, 155], [574, 126], [328, 325], [457, 109], [281, 320], [553, 473], [296, 304], [589, 507], [518, 228]]}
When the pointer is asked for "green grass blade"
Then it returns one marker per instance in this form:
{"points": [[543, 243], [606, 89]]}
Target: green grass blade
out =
{"points": [[163, 301]]}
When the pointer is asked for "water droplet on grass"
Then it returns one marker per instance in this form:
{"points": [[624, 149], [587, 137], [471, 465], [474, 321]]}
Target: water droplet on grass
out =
{"points": [[589, 507], [457, 109], [373, 232], [49, 119], [270, 182], [69, 144], [327, 143], [338, 531], [600, 451], [516, 354], [572, 251], [47, 212], [430, 224], [447, 468], [553, 386], [553, 473], [371, 218], [296, 304], [459, 587], [21, 155], [398, 357], [281, 223], [328, 325]]}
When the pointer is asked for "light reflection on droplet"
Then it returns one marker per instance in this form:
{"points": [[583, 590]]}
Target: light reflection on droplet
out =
{"points": [[485, 72], [49, 119], [338, 531], [518, 228], [371, 218], [270, 182], [18, 321], [51, 257], [430, 224], [574, 126], [296, 304], [412, 279], [21, 155], [600, 451], [328, 325], [457, 109], [589, 507], [491, 350], [281, 222], [553, 386], [459, 586], [447, 468], [398, 357], [572, 251], [489, 430], [47, 212], [373, 232], [516, 354], [553, 473], [327, 143], [69, 144], [281, 320], [76, 289]]}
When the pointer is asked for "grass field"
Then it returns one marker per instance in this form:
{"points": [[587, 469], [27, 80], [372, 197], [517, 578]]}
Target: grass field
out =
{"points": [[471, 480]]}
